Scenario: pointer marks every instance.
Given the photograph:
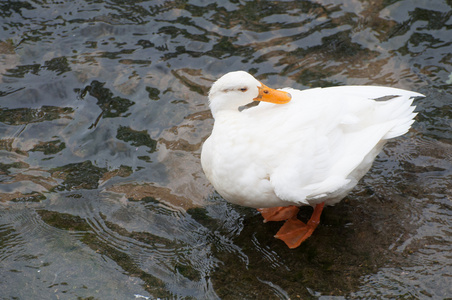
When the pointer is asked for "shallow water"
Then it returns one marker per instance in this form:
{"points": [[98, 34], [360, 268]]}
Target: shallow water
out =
{"points": [[103, 111]]}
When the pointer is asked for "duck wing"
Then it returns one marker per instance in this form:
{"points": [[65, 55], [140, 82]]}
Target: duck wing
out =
{"points": [[320, 144]]}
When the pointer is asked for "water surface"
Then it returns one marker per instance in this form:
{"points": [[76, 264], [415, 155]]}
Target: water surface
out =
{"points": [[103, 111]]}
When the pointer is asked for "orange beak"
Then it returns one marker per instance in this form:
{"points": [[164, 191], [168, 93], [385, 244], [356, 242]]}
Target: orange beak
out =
{"points": [[270, 95]]}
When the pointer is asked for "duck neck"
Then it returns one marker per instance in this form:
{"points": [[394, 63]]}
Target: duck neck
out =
{"points": [[223, 105], [225, 112], [226, 116]]}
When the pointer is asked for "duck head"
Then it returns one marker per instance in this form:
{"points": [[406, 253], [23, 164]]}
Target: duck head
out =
{"points": [[236, 89]]}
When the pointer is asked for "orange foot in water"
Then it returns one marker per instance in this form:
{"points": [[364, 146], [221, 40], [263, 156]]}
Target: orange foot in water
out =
{"points": [[281, 213], [293, 232]]}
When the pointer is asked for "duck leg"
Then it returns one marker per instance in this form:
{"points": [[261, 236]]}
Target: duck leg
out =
{"points": [[294, 232], [279, 213]]}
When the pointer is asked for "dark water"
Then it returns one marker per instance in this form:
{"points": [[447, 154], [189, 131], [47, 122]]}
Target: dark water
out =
{"points": [[103, 111]]}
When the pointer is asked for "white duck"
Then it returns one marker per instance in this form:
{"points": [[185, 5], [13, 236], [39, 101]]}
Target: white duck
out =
{"points": [[305, 147]]}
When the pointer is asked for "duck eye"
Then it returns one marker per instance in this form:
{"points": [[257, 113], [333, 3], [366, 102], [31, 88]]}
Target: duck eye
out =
{"points": [[266, 92], [243, 89]]}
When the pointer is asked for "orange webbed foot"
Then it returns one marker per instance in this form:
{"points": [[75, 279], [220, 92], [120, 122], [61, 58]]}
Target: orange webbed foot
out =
{"points": [[294, 232], [278, 213]]}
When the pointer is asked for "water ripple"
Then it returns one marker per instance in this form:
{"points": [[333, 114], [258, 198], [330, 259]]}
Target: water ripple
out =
{"points": [[102, 117]]}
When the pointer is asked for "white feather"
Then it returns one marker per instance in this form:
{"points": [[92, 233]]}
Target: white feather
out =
{"points": [[313, 149]]}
